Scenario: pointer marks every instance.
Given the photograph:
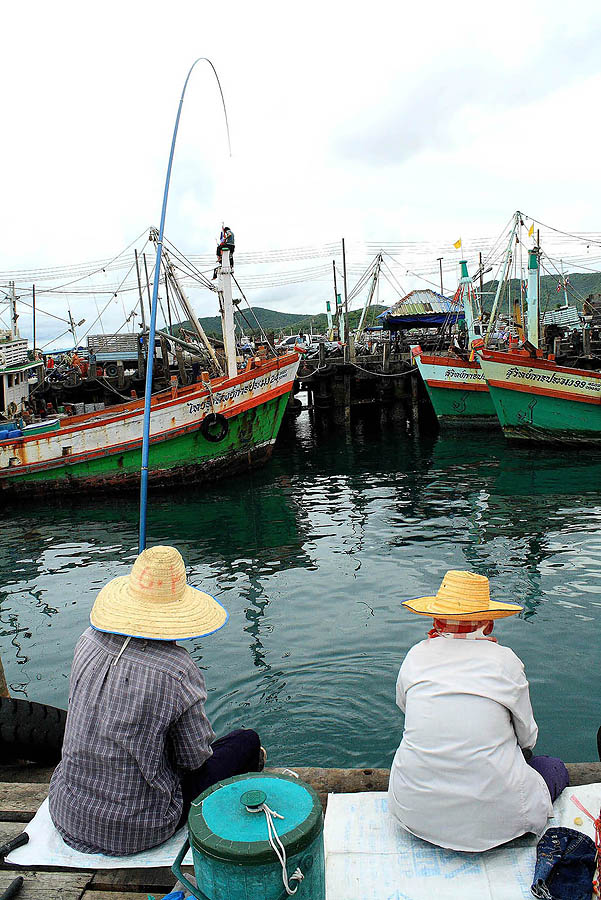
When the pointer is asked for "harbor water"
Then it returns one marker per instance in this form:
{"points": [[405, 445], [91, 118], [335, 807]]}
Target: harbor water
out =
{"points": [[312, 556]]}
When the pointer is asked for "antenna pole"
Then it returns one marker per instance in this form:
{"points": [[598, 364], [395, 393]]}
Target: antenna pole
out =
{"points": [[347, 336], [336, 307], [140, 291], [33, 308]]}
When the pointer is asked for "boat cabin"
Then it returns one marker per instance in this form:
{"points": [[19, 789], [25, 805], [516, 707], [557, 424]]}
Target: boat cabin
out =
{"points": [[16, 370]]}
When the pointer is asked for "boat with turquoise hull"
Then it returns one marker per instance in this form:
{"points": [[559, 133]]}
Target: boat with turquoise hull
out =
{"points": [[537, 399], [457, 389], [454, 380]]}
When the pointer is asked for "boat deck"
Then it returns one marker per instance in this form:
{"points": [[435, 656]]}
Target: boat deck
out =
{"points": [[23, 789]]}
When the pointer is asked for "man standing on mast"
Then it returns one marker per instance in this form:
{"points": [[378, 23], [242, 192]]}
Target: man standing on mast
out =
{"points": [[226, 242]]}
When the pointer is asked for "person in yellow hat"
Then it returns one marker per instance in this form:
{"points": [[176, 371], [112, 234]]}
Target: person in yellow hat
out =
{"points": [[460, 777], [138, 747]]}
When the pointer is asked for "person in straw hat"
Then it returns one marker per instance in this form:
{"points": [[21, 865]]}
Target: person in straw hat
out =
{"points": [[138, 747], [460, 777]]}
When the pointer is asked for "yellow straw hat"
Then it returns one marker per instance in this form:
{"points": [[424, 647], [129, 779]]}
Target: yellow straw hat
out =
{"points": [[462, 595], [155, 602]]}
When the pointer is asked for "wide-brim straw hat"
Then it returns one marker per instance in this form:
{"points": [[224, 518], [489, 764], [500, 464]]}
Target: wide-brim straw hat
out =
{"points": [[155, 602], [462, 595]]}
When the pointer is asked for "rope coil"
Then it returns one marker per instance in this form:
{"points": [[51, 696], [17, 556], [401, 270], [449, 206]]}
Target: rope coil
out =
{"points": [[278, 847]]}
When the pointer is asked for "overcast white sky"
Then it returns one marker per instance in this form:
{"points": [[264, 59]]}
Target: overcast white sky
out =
{"points": [[380, 122]]}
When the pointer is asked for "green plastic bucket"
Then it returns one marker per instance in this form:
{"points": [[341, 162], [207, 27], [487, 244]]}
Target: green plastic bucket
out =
{"points": [[228, 833]]}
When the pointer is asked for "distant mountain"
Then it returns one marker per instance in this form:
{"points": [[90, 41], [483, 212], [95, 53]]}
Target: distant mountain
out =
{"points": [[581, 285], [278, 322]]}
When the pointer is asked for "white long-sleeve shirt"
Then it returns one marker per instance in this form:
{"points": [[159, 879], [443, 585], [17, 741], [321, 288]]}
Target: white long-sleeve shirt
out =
{"points": [[459, 778]]}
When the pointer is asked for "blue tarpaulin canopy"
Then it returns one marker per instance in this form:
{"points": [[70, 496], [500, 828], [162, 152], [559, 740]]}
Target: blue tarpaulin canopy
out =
{"points": [[421, 309]]}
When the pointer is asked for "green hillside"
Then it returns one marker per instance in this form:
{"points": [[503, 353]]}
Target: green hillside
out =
{"points": [[278, 322], [580, 286]]}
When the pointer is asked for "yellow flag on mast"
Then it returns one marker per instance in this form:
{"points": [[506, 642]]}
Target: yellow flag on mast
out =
{"points": [[531, 230], [457, 244]]}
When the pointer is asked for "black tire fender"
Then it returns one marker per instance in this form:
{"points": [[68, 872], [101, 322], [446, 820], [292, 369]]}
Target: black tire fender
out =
{"points": [[214, 427], [31, 731]]}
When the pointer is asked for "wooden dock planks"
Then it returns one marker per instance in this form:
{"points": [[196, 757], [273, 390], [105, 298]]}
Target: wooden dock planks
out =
{"points": [[21, 797]]}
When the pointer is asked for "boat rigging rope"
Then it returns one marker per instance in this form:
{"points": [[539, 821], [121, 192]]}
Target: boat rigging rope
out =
{"points": [[194, 269], [577, 237], [277, 847], [102, 268], [109, 302], [42, 311], [410, 371], [261, 329]]}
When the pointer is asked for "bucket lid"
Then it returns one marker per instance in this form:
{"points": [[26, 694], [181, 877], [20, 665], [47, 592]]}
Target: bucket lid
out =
{"points": [[223, 825]]}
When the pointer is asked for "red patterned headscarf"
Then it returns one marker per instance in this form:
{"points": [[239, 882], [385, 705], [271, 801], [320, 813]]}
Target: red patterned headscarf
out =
{"points": [[479, 630]]}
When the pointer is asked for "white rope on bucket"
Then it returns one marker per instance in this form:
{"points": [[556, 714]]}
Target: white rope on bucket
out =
{"points": [[278, 847]]}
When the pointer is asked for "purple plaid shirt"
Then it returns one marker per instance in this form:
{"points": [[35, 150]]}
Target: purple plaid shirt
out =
{"points": [[131, 727]]}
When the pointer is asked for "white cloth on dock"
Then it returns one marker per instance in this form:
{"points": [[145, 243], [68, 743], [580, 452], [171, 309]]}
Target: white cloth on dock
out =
{"points": [[369, 856], [47, 848]]}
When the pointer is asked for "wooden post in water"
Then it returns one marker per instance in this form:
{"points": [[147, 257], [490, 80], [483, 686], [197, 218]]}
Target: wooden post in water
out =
{"points": [[386, 356], [347, 396], [414, 401]]}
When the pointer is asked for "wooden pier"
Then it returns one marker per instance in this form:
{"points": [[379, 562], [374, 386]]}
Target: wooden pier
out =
{"points": [[336, 385], [24, 788]]}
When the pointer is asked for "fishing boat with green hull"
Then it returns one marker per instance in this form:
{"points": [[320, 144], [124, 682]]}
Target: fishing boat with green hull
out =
{"points": [[536, 398], [457, 389], [199, 433], [455, 383]]}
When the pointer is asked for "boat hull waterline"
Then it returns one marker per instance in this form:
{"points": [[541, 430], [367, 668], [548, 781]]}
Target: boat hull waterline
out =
{"points": [[538, 400], [103, 451], [457, 389]]}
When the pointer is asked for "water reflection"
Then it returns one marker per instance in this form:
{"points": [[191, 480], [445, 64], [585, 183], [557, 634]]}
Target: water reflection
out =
{"points": [[312, 556]]}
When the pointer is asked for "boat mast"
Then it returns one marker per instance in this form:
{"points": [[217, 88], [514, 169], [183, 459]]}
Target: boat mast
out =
{"points": [[502, 276], [370, 297], [532, 297], [467, 294], [189, 310], [226, 304], [13, 317], [153, 309], [563, 281], [330, 321]]}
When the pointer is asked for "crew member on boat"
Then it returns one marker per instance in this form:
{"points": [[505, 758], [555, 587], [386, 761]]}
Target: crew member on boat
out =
{"points": [[461, 777], [226, 242], [138, 747]]}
